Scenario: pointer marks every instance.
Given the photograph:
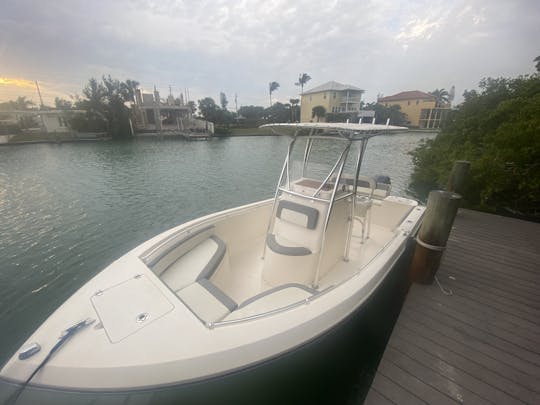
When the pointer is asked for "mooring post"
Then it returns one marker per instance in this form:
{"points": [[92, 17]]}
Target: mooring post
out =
{"points": [[431, 241], [458, 176]]}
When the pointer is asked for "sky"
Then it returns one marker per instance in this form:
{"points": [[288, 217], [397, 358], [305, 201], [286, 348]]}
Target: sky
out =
{"points": [[238, 47]]}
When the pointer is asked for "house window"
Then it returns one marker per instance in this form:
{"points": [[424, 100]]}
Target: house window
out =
{"points": [[417, 102], [334, 94], [324, 96], [409, 102]]}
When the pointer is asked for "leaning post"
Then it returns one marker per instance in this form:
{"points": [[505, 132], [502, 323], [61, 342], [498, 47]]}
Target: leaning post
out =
{"points": [[441, 210], [458, 176]]}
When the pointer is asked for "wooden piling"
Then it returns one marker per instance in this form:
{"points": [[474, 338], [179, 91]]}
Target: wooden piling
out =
{"points": [[456, 181], [441, 210]]}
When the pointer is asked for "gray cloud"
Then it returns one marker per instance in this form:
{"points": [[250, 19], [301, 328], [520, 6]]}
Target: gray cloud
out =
{"points": [[238, 47]]}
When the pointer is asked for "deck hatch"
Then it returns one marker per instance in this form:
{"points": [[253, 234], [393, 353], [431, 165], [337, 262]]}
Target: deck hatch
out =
{"points": [[120, 307]]}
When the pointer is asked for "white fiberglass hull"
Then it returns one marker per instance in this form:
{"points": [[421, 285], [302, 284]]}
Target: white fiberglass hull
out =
{"points": [[174, 346]]}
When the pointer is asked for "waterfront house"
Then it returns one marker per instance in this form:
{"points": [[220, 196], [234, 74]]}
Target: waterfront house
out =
{"points": [[335, 97], [420, 108], [49, 121], [171, 116]]}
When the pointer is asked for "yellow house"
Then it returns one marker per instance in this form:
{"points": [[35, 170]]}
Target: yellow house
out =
{"points": [[421, 108], [334, 97]]}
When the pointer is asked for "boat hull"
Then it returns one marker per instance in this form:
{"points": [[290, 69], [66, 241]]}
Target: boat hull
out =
{"points": [[332, 368]]}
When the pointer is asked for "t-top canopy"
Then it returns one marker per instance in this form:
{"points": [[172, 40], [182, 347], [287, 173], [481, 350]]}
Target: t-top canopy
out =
{"points": [[344, 130]]}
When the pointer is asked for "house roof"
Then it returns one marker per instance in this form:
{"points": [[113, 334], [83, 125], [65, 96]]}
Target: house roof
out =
{"points": [[408, 95], [332, 86]]}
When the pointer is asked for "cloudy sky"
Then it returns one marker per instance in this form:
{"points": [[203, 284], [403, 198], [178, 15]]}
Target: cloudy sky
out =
{"points": [[382, 46]]}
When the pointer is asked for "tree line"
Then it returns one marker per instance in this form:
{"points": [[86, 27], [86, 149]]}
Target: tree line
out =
{"points": [[106, 105], [496, 128]]}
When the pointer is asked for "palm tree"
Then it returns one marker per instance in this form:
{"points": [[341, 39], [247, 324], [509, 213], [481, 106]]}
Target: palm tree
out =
{"points": [[319, 112], [442, 97], [294, 105], [192, 106], [223, 100], [272, 86], [302, 80], [132, 87]]}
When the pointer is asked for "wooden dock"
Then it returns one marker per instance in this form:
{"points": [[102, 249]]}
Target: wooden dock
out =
{"points": [[481, 344]]}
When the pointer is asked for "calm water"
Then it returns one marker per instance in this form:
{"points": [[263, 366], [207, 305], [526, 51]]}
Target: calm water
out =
{"points": [[69, 210]]}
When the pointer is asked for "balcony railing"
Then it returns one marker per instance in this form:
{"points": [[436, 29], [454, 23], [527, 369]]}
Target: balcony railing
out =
{"points": [[349, 109], [351, 100]]}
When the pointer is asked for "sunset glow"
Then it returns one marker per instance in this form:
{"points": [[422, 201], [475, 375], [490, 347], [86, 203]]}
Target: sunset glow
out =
{"points": [[8, 81]]}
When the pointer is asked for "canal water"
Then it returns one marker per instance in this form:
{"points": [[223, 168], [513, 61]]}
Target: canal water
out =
{"points": [[69, 210]]}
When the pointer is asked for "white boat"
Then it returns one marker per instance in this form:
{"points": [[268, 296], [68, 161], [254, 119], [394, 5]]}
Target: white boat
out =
{"points": [[224, 294]]}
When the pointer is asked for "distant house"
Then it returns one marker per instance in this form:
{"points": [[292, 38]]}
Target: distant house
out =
{"points": [[171, 116], [46, 121], [335, 97], [421, 108], [56, 120]]}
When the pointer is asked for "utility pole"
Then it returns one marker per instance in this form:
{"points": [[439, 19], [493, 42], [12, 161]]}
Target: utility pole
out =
{"points": [[39, 93], [236, 106], [43, 127]]}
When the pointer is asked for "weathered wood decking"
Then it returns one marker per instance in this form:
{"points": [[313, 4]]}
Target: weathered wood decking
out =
{"points": [[481, 344]]}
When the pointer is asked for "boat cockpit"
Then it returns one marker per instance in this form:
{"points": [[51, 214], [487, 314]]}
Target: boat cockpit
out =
{"points": [[325, 223]]}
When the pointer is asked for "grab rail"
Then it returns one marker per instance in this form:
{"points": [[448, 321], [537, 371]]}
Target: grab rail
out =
{"points": [[305, 301]]}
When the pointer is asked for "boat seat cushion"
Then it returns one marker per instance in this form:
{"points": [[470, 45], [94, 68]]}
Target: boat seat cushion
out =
{"points": [[272, 299], [207, 301], [159, 257], [298, 214], [298, 223], [283, 249], [199, 263]]}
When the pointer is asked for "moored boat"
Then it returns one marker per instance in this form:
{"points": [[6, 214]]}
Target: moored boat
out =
{"points": [[232, 290]]}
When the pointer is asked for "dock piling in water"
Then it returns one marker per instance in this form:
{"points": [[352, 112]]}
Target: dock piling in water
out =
{"points": [[458, 176], [441, 210]]}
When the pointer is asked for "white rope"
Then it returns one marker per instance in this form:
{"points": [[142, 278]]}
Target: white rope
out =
{"points": [[430, 247], [443, 290]]}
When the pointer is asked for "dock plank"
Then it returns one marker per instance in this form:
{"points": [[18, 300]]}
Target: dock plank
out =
{"points": [[490, 358], [414, 384], [464, 339], [500, 315], [490, 324], [482, 343], [502, 379], [447, 370], [394, 392], [374, 397]]}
